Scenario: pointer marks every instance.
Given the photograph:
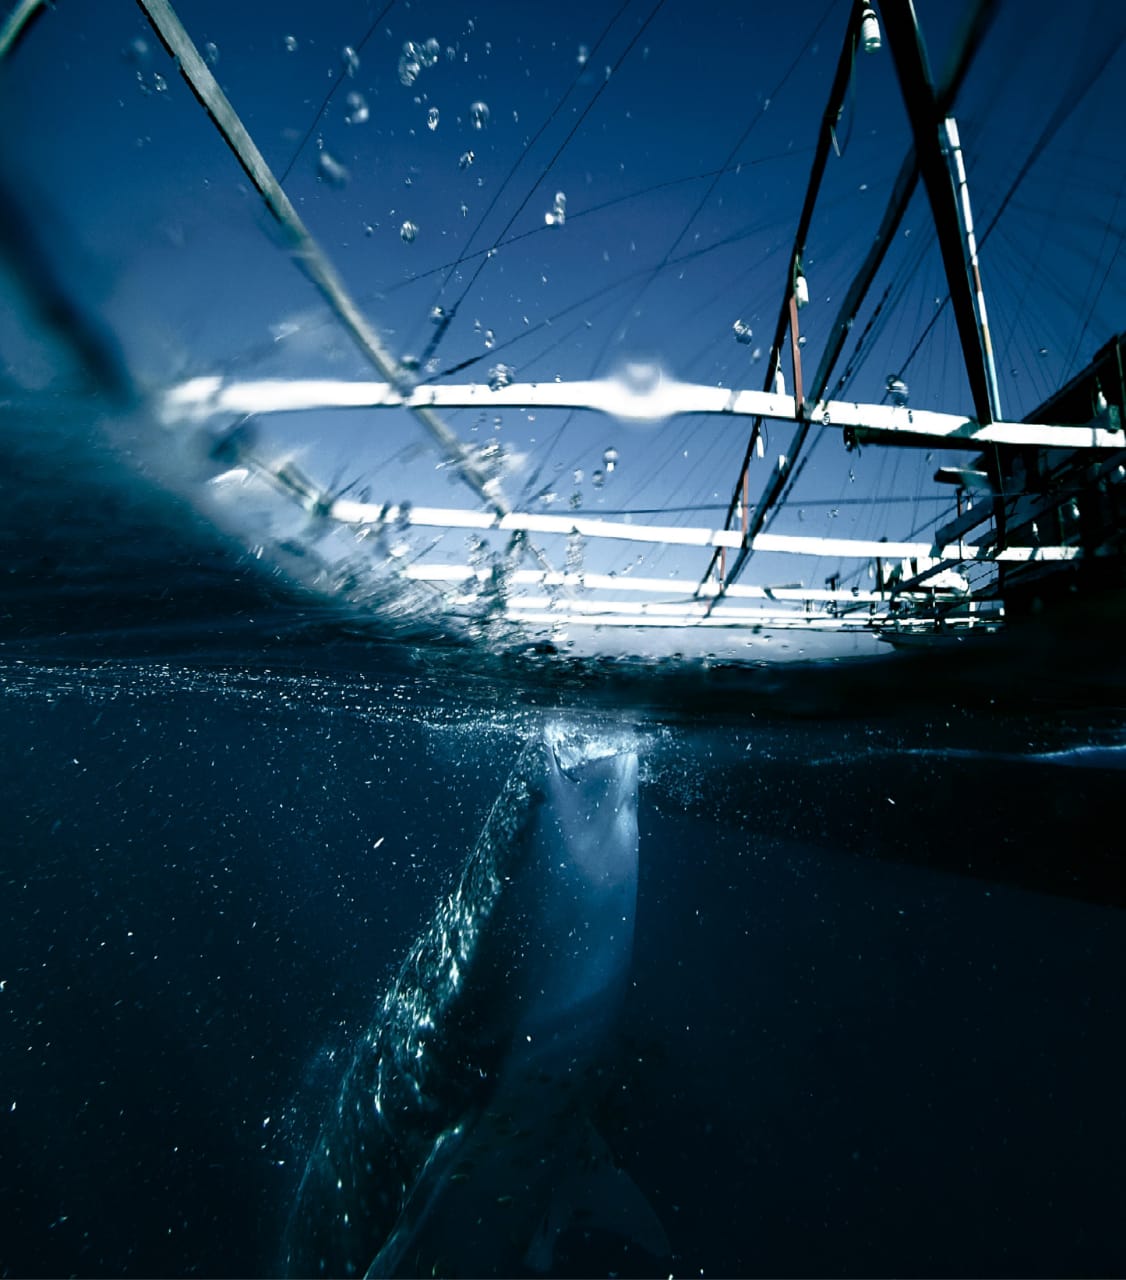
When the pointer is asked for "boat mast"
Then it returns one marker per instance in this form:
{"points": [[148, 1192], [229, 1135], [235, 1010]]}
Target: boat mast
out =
{"points": [[928, 123]]}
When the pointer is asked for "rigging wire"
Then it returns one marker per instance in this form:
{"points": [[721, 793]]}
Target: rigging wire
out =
{"points": [[341, 75], [441, 330]]}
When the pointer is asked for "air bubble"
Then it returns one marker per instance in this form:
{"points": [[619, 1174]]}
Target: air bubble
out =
{"points": [[408, 231], [479, 115]]}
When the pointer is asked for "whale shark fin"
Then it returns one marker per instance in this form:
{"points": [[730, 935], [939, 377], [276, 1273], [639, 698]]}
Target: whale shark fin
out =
{"points": [[599, 1194]]}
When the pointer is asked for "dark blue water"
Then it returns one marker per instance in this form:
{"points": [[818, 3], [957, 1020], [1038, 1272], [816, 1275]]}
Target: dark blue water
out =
{"points": [[876, 1021]]}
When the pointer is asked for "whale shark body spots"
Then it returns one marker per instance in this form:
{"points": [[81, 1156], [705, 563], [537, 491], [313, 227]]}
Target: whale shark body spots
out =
{"points": [[461, 1143]]}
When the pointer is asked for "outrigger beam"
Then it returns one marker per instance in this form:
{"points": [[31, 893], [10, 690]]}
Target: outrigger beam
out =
{"points": [[203, 398]]}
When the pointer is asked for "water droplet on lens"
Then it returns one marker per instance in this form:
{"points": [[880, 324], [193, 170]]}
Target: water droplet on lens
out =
{"points": [[610, 458], [408, 231], [159, 83], [743, 332], [557, 215], [501, 375], [211, 52], [598, 479], [410, 64], [291, 44], [432, 119], [351, 60], [479, 115], [490, 339], [358, 112], [465, 159], [437, 314], [583, 55], [330, 170], [430, 52]]}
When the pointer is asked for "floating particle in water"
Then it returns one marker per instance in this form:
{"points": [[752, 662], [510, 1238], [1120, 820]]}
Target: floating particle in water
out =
{"points": [[742, 331], [556, 216], [465, 159], [490, 339], [351, 60], [432, 119], [479, 114], [610, 459], [211, 52], [501, 375], [330, 170], [408, 231], [358, 112], [290, 43]]}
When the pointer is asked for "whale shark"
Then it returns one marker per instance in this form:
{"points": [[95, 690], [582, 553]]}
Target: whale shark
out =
{"points": [[461, 1140]]}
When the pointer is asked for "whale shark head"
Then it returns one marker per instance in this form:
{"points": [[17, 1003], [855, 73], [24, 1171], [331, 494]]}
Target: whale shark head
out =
{"points": [[469, 1096]]}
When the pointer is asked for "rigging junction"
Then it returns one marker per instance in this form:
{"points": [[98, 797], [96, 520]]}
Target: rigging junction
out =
{"points": [[1042, 503]]}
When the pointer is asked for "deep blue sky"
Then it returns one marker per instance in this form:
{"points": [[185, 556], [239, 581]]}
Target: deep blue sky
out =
{"points": [[158, 229]]}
